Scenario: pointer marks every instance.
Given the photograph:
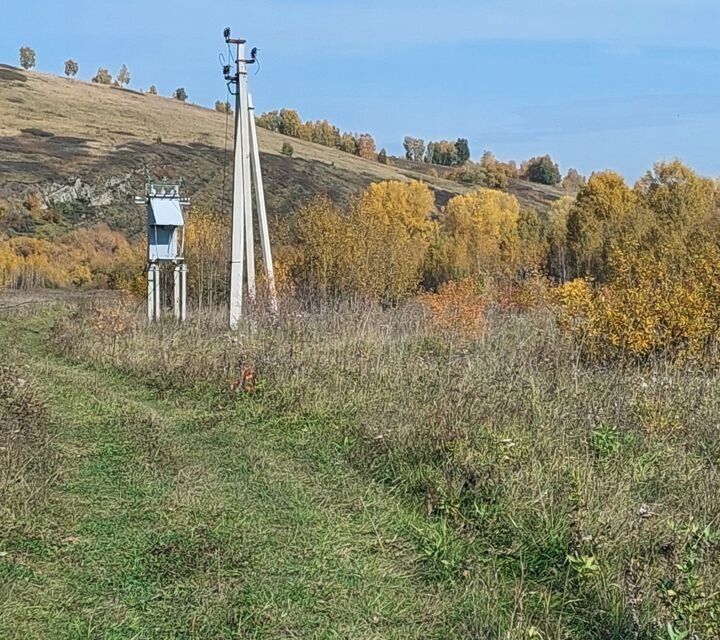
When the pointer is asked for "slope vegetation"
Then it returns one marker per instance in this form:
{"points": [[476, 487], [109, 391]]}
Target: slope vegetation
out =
{"points": [[87, 148]]}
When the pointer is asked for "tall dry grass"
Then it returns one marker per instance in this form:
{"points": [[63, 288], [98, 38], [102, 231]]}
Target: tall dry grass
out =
{"points": [[571, 500]]}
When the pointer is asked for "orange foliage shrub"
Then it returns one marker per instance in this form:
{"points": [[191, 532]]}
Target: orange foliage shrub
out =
{"points": [[96, 256], [532, 292], [648, 307], [457, 307]]}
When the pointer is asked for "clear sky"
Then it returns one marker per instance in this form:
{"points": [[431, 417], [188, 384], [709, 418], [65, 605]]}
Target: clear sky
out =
{"points": [[598, 84]]}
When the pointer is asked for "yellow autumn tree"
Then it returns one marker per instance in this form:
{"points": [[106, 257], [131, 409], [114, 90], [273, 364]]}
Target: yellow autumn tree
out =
{"points": [[9, 262], [607, 216], [96, 256], [558, 266], [532, 246], [648, 307], [33, 265], [374, 249], [101, 256], [482, 233], [385, 263], [409, 204], [323, 236], [682, 207], [207, 242]]}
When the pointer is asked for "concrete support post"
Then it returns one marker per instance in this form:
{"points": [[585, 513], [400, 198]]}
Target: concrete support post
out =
{"points": [[247, 187], [156, 297], [183, 292], [246, 169], [176, 292], [180, 292], [260, 205], [153, 292]]}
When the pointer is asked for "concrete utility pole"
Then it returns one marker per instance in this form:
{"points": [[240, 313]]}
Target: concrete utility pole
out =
{"points": [[246, 168]]}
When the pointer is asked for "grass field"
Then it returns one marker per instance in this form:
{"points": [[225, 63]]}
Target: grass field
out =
{"points": [[347, 473]]}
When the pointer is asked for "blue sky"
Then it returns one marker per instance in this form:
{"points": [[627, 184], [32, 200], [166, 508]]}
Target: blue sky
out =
{"points": [[598, 84]]}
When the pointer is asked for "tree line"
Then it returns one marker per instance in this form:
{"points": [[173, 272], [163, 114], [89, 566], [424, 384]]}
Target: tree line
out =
{"points": [[489, 171], [449, 154], [28, 60], [289, 123], [633, 269]]}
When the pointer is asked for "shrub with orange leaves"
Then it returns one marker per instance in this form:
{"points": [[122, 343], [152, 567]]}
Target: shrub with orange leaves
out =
{"points": [[94, 256], [246, 381], [533, 291], [648, 307], [457, 307]]}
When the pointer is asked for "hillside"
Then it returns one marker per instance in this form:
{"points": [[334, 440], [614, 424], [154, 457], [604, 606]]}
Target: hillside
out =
{"points": [[86, 148]]}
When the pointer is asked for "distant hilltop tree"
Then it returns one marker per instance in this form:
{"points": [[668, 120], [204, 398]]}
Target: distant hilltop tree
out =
{"points": [[348, 143], [180, 94], [542, 170], [366, 147], [27, 57], [383, 157], [285, 121], [462, 151], [152, 90], [71, 68], [414, 148], [102, 77], [223, 107], [449, 154], [442, 153], [573, 181], [123, 76]]}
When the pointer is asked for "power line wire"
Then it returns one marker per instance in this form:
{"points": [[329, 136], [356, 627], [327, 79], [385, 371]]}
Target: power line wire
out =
{"points": [[227, 119]]}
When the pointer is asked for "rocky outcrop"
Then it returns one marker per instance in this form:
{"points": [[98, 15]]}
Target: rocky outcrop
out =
{"points": [[103, 194]]}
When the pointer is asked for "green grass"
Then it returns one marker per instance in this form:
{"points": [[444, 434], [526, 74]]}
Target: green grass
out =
{"points": [[383, 481], [193, 517]]}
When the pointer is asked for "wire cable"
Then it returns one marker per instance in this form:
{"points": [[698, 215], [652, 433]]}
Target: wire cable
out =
{"points": [[227, 119]]}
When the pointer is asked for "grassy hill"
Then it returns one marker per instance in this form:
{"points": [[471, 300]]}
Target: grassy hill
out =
{"points": [[86, 149]]}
